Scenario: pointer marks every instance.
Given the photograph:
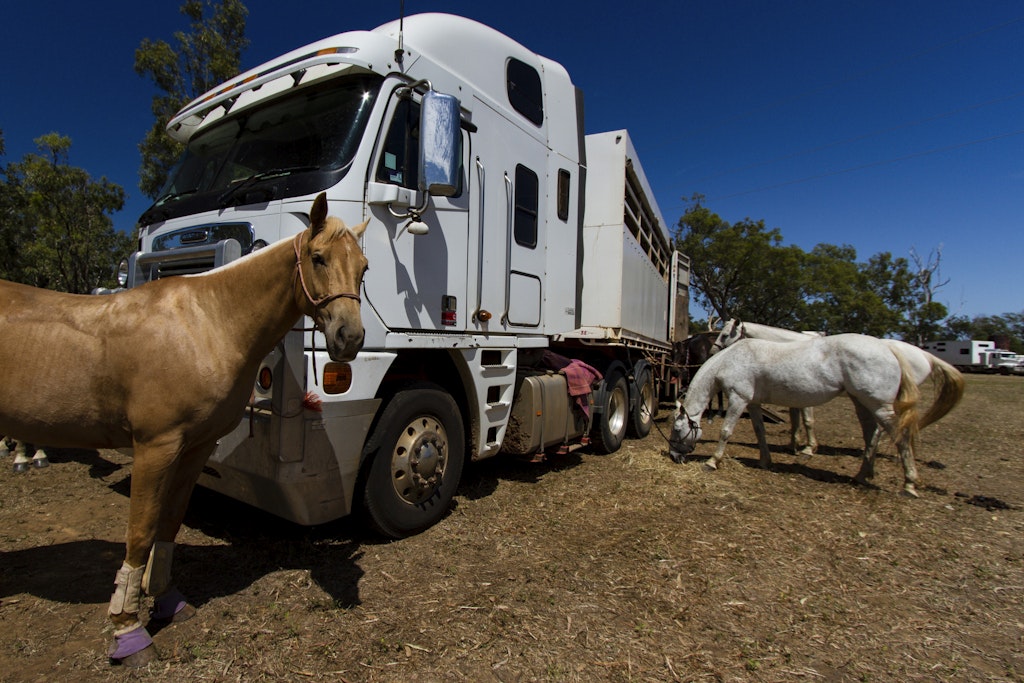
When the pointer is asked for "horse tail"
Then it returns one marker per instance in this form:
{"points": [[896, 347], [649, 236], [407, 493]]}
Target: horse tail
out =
{"points": [[949, 383], [905, 406]]}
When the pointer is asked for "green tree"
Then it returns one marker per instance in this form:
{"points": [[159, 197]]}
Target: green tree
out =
{"points": [[207, 55], [740, 270], [64, 239], [956, 327], [14, 226], [840, 294]]}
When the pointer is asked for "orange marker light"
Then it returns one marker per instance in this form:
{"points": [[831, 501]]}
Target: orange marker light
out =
{"points": [[337, 378]]}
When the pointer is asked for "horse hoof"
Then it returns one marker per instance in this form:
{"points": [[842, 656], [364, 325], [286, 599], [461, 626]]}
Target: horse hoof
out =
{"points": [[20, 467], [184, 614], [909, 492], [710, 467], [140, 659], [40, 463]]}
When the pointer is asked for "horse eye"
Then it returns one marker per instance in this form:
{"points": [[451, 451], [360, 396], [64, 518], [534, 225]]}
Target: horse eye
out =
{"points": [[318, 260]]}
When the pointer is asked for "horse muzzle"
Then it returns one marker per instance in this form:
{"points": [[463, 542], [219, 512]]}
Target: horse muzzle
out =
{"points": [[343, 341]]}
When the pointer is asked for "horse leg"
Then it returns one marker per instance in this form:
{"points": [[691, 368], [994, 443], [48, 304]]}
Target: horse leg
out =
{"points": [[757, 420], [152, 476], [732, 416], [812, 443], [39, 459], [5, 450], [871, 433], [903, 439], [794, 429], [169, 605], [21, 459]]}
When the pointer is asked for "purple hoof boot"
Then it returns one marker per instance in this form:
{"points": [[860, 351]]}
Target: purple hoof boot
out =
{"points": [[172, 607], [133, 649]]}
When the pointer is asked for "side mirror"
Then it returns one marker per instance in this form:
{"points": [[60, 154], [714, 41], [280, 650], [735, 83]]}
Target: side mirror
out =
{"points": [[440, 143]]}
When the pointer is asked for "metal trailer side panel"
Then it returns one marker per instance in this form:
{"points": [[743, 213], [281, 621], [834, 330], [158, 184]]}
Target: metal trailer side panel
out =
{"points": [[627, 260]]}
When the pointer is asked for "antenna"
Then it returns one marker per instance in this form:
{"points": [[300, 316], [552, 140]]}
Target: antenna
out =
{"points": [[400, 51]]}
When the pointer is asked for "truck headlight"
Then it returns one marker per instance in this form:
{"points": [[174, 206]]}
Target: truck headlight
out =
{"points": [[122, 272]]}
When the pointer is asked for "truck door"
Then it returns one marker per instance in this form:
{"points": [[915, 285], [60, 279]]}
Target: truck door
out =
{"points": [[415, 281], [508, 179]]}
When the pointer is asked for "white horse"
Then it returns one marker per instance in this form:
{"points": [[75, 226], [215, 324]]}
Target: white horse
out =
{"points": [[733, 331], [808, 373], [922, 365]]}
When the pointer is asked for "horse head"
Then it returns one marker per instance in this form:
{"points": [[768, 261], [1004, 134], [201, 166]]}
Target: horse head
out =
{"points": [[731, 333], [330, 267], [685, 434]]}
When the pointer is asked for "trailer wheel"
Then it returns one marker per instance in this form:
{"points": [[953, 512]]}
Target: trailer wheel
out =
{"points": [[415, 458], [645, 407], [610, 424]]}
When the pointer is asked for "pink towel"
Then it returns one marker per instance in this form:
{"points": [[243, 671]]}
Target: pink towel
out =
{"points": [[578, 374]]}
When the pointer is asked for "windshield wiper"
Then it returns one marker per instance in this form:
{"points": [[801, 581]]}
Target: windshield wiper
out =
{"points": [[248, 182], [155, 212]]}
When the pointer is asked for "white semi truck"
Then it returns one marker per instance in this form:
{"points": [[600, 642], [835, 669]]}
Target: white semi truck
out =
{"points": [[511, 255]]}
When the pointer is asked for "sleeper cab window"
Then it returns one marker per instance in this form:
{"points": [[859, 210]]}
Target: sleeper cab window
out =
{"points": [[525, 95], [527, 207]]}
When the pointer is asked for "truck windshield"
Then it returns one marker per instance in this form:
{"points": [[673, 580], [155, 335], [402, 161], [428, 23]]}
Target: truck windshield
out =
{"points": [[297, 143]]}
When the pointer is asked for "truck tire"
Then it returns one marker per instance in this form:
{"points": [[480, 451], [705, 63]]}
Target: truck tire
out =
{"points": [[414, 458], [645, 403], [610, 423]]}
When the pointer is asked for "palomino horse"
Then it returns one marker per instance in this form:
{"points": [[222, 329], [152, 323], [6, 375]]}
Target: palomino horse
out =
{"points": [[922, 364], [809, 373], [167, 368]]}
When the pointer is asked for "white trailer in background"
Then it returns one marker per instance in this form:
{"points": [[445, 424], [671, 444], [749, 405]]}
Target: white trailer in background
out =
{"points": [[509, 256], [976, 356]]}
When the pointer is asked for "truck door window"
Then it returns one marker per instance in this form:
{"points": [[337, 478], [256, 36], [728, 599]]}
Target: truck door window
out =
{"points": [[527, 207], [399, 162]]}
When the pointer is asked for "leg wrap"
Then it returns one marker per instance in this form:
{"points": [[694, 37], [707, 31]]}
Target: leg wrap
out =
{"points": [[158, 571], [127, 590]]}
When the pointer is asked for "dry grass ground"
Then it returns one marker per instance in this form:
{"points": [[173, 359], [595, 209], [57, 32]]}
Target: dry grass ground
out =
{"points": [[585, 568]]}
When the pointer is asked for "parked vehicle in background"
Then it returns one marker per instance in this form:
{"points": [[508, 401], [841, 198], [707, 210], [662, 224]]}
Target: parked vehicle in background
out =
{"points": [[977, 356]]}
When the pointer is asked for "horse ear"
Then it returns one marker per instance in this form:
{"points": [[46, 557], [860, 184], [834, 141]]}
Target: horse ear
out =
{"points": [[318, 214], [358, 230]]}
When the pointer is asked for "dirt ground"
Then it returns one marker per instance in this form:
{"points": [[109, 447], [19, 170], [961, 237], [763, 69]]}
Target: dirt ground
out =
{"points": [[625, 567]]}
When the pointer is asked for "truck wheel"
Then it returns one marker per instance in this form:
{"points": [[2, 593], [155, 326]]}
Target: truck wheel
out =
{"points": [[646, 405], [610, 424], [415, 457]]}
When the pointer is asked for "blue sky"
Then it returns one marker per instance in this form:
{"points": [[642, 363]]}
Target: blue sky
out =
{"points": [[884, 124]]}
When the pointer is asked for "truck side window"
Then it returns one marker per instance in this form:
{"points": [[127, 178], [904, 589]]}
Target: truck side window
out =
{"points": [[399, 163], [563, 194], [525, 94], [527, 207]]}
